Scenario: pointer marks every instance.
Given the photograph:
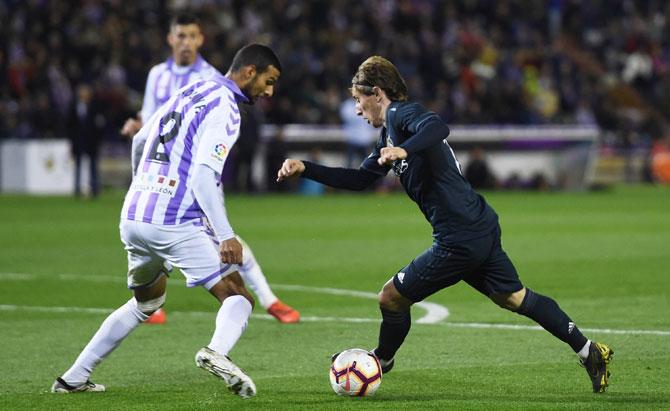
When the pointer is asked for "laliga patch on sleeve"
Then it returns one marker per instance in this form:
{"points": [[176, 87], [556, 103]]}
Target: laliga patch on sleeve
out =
{"points": [[220, 152]]}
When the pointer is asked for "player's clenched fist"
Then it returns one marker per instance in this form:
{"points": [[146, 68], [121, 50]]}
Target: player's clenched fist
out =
{"points": [[290, 168], [391, 154], [231, 251]]}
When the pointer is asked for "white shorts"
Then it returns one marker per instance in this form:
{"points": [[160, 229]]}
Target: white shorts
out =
{"points": [[153, 250]]}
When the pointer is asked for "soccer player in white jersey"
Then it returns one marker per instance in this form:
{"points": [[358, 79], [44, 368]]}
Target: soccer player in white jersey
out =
{"points": [[185, 66], [173, 215]]}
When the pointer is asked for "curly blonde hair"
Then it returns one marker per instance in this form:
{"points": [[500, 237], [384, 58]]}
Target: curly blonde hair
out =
{"points": [[378, 71]]}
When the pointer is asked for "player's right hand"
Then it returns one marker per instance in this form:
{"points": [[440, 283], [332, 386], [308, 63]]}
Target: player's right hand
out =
{"points": [[390, 154], [290, 168], [231, 251], [131, 127]]}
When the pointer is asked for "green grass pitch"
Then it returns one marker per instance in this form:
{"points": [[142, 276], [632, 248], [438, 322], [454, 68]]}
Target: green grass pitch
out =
{"points": [[605, 257]]}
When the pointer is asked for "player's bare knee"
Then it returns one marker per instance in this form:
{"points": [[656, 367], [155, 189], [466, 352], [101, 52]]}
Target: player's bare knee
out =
{"points": [[231, 285], [386, 301], [385, 297], [152, 290], [237, 287], [502, 300], [511, 301], [391, 299], [151, 297], [246, 295]]}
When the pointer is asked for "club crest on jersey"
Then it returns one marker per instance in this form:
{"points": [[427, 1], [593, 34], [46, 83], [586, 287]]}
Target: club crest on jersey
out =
{"points": [[399, 167], [220, 152]]}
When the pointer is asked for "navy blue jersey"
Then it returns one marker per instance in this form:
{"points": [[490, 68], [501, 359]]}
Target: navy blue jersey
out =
{"points": [[431, 175]]}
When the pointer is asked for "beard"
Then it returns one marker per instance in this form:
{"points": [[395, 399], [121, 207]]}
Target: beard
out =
{"points": [[249, 92], [185, 58], [250, 99]]}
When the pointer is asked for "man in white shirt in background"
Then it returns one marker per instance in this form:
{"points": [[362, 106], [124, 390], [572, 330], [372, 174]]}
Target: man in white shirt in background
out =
{"points": [[360, 136]]}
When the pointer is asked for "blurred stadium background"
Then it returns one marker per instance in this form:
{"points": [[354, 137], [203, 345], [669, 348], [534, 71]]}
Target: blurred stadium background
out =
{"points": [[557, 93], [566, 102]]}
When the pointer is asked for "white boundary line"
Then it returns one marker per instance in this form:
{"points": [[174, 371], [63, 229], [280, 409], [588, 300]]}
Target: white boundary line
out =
{"points": [[538, 328], [91, 310], [435, 313]]}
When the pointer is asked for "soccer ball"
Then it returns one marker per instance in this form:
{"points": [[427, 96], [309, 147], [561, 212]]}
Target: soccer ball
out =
{"points": [[355, 372]]}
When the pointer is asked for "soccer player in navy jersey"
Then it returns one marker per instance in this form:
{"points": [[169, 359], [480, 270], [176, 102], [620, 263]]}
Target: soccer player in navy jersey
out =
{"points": [[466, 234], [174, 215], [183, 67]]}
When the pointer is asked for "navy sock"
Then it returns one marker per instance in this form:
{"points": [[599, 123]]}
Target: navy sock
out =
{"points": [[546, 312], [394, 328]]}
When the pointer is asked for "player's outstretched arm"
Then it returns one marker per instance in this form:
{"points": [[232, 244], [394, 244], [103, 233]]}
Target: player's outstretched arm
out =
{"points": [[336, 177], [290, 168]]}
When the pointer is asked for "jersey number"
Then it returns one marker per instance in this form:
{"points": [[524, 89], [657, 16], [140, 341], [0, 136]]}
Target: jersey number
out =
{"points": [[168, 129]]}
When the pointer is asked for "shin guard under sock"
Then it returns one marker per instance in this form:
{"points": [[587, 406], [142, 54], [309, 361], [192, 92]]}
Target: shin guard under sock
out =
{"points": [[392, 332], [546, 312]]}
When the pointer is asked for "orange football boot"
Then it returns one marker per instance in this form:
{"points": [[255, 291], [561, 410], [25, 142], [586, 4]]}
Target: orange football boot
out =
{"points": [[158, 317], [284, 313]]}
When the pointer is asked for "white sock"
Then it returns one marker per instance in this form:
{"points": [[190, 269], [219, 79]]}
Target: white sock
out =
{"points": [[112, 331], [584, 352], [253, 276], [231, 321]]}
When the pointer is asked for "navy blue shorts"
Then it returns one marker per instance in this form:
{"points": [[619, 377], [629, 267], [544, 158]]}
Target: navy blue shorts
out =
{"points": [[480, 262]]}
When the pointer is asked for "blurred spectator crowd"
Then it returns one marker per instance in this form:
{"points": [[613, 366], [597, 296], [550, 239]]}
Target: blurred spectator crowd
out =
{"points": [[471, 61]]}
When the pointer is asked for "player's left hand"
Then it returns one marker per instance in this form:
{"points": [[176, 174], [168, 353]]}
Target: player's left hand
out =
{"points": [[231, 251], [390, 154]]}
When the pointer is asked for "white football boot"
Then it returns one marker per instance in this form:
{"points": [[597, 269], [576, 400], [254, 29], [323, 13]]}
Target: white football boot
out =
{"points": [[61, 387], [221, 366]]}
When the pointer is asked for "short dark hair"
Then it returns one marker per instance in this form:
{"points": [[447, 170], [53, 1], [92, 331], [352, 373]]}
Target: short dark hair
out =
{"points": [[256, 55], [378, 71], [183, 19]]}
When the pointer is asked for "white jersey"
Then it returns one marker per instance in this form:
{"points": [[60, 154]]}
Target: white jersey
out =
{"points": [[166, 78], [198, 125]]}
